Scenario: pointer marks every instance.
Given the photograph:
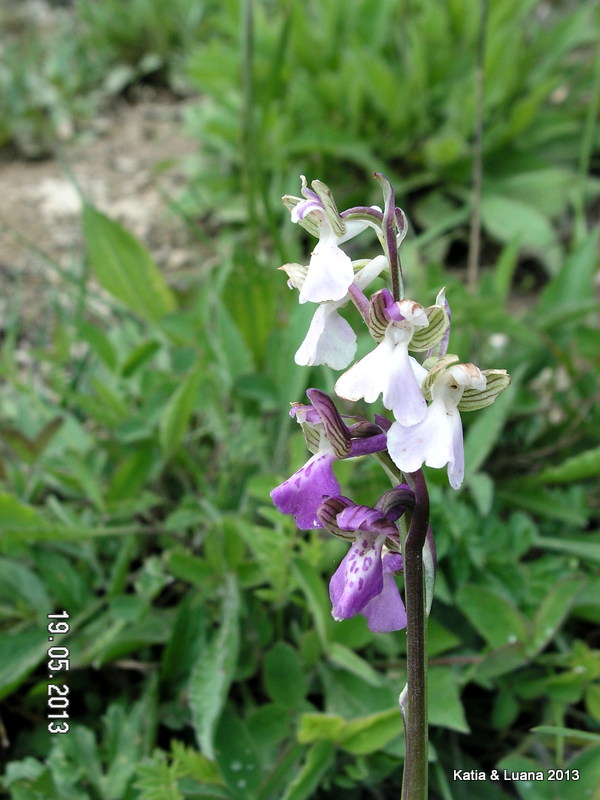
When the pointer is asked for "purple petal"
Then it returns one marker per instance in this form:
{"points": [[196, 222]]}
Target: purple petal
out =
{"points": [[303, 493], [385, 612], [336, 430], [359, 578], [364, 518]]}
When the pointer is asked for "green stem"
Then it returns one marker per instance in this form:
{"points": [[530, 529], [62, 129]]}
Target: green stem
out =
{"points": [[248, 131], [414, 781]]}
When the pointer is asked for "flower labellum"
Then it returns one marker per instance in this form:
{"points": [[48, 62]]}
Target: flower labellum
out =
{"points": [[437, 439]]}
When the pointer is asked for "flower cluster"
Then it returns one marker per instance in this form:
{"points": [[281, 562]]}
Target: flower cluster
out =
{"points": [[424, 395]]}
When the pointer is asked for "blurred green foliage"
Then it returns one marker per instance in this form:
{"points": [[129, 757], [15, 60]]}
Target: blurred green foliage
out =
{"points": [[138, 448]]}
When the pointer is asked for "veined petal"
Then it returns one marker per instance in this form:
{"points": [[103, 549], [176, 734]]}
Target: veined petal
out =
{"points": [[368, 377], [303, 493], [330, 340], [436, 440], [385, 612], [359, 578], [330, 273], [402, 394]]}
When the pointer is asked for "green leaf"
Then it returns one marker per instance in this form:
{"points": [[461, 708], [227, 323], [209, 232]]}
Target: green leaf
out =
{"points": [[99, 342], [494, 617], [24, 590], [507, 218], [552, 612], [176, 416], [592, 701], [285, 680], [20, 653], [318, 761], [499, 662], [131, 474], [540, 501], [586, 549], [313, 588], [445, 707], [124, 268], [349, 660], [139, 356], [370, 734], [574, 282], [315, 727], [571, 734], [237, 756], [17, 516], [481, 487], [214, 670], [583, 465]]}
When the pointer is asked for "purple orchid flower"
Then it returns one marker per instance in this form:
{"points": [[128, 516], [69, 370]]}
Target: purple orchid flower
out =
{"points": [[364, 582], [331, 439]]}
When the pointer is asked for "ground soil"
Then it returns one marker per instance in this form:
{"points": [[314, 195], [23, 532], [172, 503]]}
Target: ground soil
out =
{"points": [[126, 164]]}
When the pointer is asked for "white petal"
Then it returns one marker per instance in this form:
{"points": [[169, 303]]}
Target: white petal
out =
{"points": [[456, 464], [329, 274], [371, 271], [402, 393], [330, 340], [436, 441], [368, 377]]}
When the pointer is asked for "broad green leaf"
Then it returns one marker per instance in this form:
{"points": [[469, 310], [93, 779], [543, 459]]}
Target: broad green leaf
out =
{"points": [[583, 465], [127, 738], [370, 734], [592, 701], [445, 707], [481, 487], [349, 660], [21, 588], [139, 356], [15, 516], [536, 499], [124, 268], [545, 189], [494, 617], [505, 268], [99, 342], [572, 734], [237, 756], [316, 727], [214, 670], [285, 680], [187, 640], [552, 612], [20, 653], [586, 549], [574, 282], [176, 416], [507, 219], [499, 662], [190, 762], [131, 474], [439, 638], [318, 761], [313, 588]]}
